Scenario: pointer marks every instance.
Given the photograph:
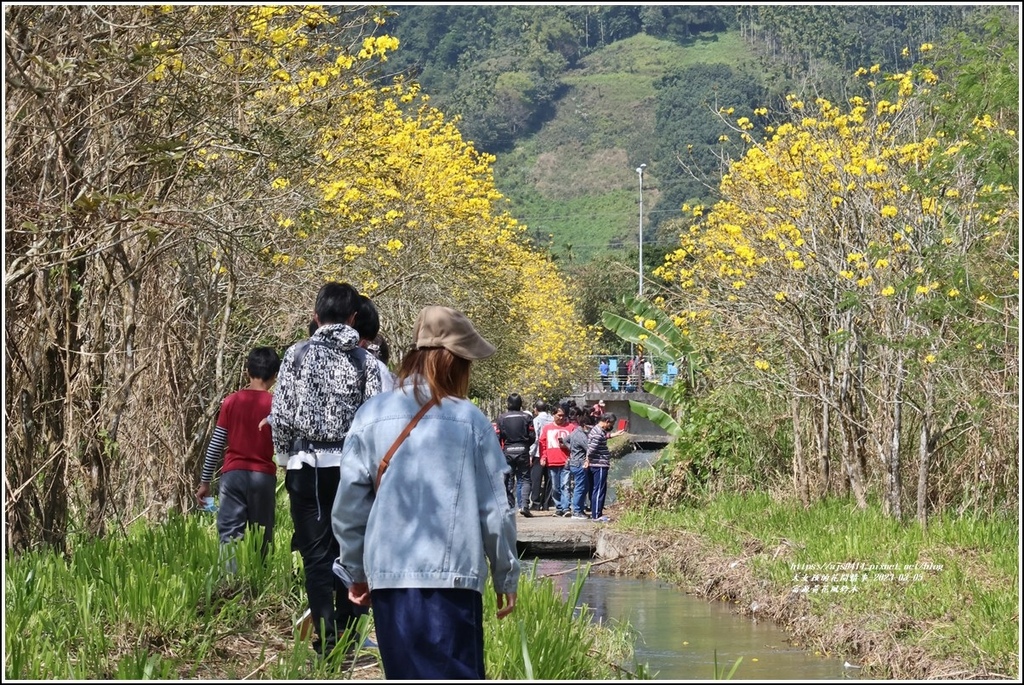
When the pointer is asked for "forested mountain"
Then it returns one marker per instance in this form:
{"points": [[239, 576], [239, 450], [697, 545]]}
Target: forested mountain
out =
{"points": [[572, 98]]}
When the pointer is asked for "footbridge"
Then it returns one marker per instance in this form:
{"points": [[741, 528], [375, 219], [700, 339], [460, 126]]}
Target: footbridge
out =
{"points": [[642, 433]]}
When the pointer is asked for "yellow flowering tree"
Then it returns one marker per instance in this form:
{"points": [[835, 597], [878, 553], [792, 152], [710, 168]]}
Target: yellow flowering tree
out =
{"points": [[399, 205], [191, 177], [853, 261]]}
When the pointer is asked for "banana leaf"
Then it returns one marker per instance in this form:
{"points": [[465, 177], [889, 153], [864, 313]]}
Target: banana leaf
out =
{"points": [[630, 331], [665, 326], [657, 417]]}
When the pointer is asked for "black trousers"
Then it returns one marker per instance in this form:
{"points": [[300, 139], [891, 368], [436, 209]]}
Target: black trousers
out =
{"points": [[311, 495], [247, 501], [540, 484]]}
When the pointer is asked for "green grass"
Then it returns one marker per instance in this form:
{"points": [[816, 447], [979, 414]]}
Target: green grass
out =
{"points": [[963, 604], [629, 67], [576, 178], [553, 640], [597, 222], [158, 602]]}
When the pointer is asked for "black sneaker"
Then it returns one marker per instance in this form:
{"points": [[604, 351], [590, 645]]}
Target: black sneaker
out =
{"points": [[526, 513]]}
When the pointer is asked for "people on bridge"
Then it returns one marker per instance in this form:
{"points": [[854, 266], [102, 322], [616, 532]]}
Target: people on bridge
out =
{"points": [[540, 487], [634, 373], [553, 457], [516, 435], [603, 370]]}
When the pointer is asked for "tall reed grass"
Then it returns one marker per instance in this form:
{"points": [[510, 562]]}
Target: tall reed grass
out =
{"points": [[160, 603]]}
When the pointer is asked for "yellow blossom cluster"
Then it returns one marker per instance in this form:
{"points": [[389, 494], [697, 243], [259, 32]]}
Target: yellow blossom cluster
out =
{"points": [[362, 182], [397, 203], [840, 204]]}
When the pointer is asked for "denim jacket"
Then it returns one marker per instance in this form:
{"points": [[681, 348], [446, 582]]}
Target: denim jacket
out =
{"points": [[441, 513]]}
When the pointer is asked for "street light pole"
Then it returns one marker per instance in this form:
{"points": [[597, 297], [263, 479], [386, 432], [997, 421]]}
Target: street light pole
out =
{"points": [[640, 173]]}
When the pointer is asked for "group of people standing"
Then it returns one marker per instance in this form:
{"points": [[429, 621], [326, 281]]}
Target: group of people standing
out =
{"points": [[558, 458], [391, 492], [638, 369]]}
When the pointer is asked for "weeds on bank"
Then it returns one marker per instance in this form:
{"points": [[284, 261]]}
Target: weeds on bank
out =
{"points": [[951, 588], [721, 673], [548, 637], [159, 602]]}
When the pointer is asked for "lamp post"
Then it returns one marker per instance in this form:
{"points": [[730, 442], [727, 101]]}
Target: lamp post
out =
{"points": [[640, 173]]}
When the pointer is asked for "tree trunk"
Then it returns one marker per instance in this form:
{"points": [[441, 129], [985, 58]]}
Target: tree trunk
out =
{"points": [[925, 449], [824, 436], [800, 484], [853, 434], [894, 484], [799, 467]]}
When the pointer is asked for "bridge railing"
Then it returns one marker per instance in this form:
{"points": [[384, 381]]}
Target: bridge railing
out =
{"points": [[617, 380], [621, 379]]}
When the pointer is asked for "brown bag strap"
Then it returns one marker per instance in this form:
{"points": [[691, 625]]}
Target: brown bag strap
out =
{"points": [[400, 439]]}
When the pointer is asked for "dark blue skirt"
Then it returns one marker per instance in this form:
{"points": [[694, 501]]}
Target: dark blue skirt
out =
{"points": [[429, 634]]}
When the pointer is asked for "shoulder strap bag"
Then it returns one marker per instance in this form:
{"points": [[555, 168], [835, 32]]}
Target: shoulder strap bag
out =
{"points": [[400, 439]]}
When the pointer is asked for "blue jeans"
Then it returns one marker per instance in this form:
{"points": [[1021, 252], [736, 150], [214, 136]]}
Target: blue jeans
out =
{"points": [[598, 490], [559, 478], [580, 488], [517, 483]]}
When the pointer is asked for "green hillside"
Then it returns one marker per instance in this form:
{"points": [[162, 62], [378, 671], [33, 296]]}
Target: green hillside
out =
{"points": [[575, 179]]}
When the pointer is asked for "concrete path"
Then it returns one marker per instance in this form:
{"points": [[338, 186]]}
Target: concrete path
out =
{"points": [[548, 535]]}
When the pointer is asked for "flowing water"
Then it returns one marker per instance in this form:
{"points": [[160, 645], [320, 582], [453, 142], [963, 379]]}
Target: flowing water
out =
{"points": [[680, 637], [623, 467]]}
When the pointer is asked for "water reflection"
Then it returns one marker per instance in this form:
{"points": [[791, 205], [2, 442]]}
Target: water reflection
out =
{"points": [[624, 466], [679, 635]]}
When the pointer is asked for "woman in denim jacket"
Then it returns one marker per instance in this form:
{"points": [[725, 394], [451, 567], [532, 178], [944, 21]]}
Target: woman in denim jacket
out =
{"points": [[418, 547]]}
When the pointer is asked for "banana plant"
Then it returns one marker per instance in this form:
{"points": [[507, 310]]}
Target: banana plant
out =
{"points": [[666, 342]]}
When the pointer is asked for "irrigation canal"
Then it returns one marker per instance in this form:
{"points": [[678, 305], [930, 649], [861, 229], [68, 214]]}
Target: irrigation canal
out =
{"points": [[681, 637]]}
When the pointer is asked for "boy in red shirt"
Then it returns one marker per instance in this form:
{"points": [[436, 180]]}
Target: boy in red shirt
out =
{"points": [[249, 477]]}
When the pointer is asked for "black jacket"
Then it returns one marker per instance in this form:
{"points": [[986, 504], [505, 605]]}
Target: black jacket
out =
{"points": [[515, 431]]}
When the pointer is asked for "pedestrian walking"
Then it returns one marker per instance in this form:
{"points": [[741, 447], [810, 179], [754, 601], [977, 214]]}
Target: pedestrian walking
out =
{"points": [[248, 479], [321, 383], [421, 513]]}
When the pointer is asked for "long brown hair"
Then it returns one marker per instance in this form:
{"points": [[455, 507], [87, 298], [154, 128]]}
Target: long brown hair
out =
{"points": [[446, 374]]}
